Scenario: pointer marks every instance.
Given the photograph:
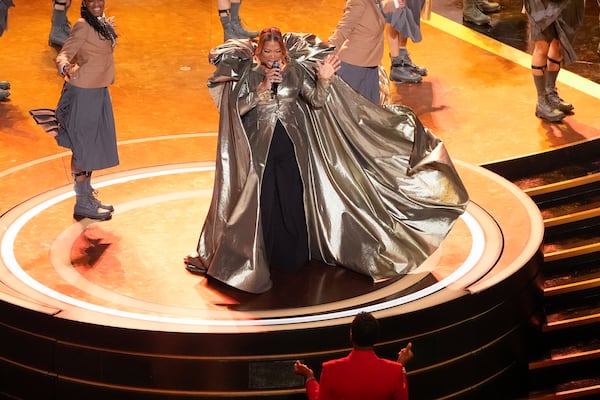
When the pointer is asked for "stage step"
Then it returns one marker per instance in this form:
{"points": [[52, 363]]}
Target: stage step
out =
{"points": [[580, 389], [567, 363]]}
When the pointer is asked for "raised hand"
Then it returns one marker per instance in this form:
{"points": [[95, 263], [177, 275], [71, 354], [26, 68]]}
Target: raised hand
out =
{"points": [[328, 68], [406, 354]]}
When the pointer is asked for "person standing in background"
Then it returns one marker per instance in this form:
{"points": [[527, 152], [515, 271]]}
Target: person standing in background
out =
{"points": [[553, 25], [229, 14], [358, 39], [403, 70]]}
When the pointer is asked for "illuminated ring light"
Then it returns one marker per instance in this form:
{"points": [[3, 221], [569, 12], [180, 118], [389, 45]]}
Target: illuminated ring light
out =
{"points": [[476, 252]]}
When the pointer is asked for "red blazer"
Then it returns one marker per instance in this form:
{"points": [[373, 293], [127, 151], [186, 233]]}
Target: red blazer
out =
{"points": [[359, 376]]}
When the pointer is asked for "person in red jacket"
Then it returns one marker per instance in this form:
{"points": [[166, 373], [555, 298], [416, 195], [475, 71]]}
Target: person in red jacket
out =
{"points": [[362, 374]]}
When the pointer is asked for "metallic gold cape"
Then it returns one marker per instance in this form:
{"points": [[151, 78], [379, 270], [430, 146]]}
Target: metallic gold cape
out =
{"points": [[380, 190]]}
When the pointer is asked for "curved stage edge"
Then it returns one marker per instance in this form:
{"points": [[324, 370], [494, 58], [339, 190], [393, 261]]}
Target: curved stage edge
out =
{"points": [[106, 310]]}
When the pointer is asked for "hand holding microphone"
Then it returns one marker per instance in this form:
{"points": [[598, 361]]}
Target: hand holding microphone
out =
{"points": [[275, 85]]}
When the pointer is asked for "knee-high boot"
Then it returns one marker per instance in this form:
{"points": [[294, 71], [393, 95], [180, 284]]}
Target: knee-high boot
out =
{"points": [[85, 206], [61, 27], [543, 109]]}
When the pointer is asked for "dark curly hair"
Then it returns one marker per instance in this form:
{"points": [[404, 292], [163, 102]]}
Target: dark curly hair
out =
{"points": [[365, 330], [104, 29]]}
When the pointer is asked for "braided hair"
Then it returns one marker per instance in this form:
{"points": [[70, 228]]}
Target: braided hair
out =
{"points": [[104, 29]]}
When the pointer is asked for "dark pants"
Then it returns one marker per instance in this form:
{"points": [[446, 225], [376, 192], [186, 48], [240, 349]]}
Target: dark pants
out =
{"points": [[282, 206]]}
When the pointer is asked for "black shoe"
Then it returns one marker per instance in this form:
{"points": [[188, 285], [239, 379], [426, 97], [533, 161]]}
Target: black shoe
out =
{"points": [[404, 75], [194, 265], [4, 85], [97, 216]]}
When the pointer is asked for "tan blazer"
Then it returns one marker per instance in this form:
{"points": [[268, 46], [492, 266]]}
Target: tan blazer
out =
{"points": [[93, 57], [358, 36]]}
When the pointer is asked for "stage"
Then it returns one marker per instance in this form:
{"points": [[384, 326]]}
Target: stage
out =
{"points": [[107, 310]]}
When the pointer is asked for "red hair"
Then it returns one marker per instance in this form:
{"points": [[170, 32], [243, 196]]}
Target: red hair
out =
{"points": [[271, 34]]}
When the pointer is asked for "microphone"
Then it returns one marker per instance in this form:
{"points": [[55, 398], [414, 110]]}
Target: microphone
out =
{"points": [[275, 85]]}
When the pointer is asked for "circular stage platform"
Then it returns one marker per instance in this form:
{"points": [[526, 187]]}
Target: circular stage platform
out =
{"points": [[106, 310]]}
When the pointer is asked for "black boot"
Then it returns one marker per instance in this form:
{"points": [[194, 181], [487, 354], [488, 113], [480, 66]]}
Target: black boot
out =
{"points": [[400, 72], [61, 27], [85, 206]]}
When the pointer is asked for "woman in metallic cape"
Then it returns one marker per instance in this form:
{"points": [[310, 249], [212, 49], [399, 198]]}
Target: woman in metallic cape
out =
{"points": [[378, 191]]}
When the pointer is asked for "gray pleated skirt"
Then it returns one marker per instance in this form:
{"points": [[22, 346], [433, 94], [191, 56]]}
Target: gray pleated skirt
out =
{"points": [[365, 80], [87, 127]]}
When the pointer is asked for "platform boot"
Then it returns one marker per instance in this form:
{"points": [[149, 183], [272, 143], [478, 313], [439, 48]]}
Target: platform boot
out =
{"points": [[236, 23], [543, 109], [402, 72], [488, 7], [61, 27], [552, 96], [85, 204], [473, 14]]}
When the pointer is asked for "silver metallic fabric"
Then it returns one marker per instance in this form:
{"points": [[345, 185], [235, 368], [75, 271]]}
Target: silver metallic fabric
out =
{"points": [[380, 190]]}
